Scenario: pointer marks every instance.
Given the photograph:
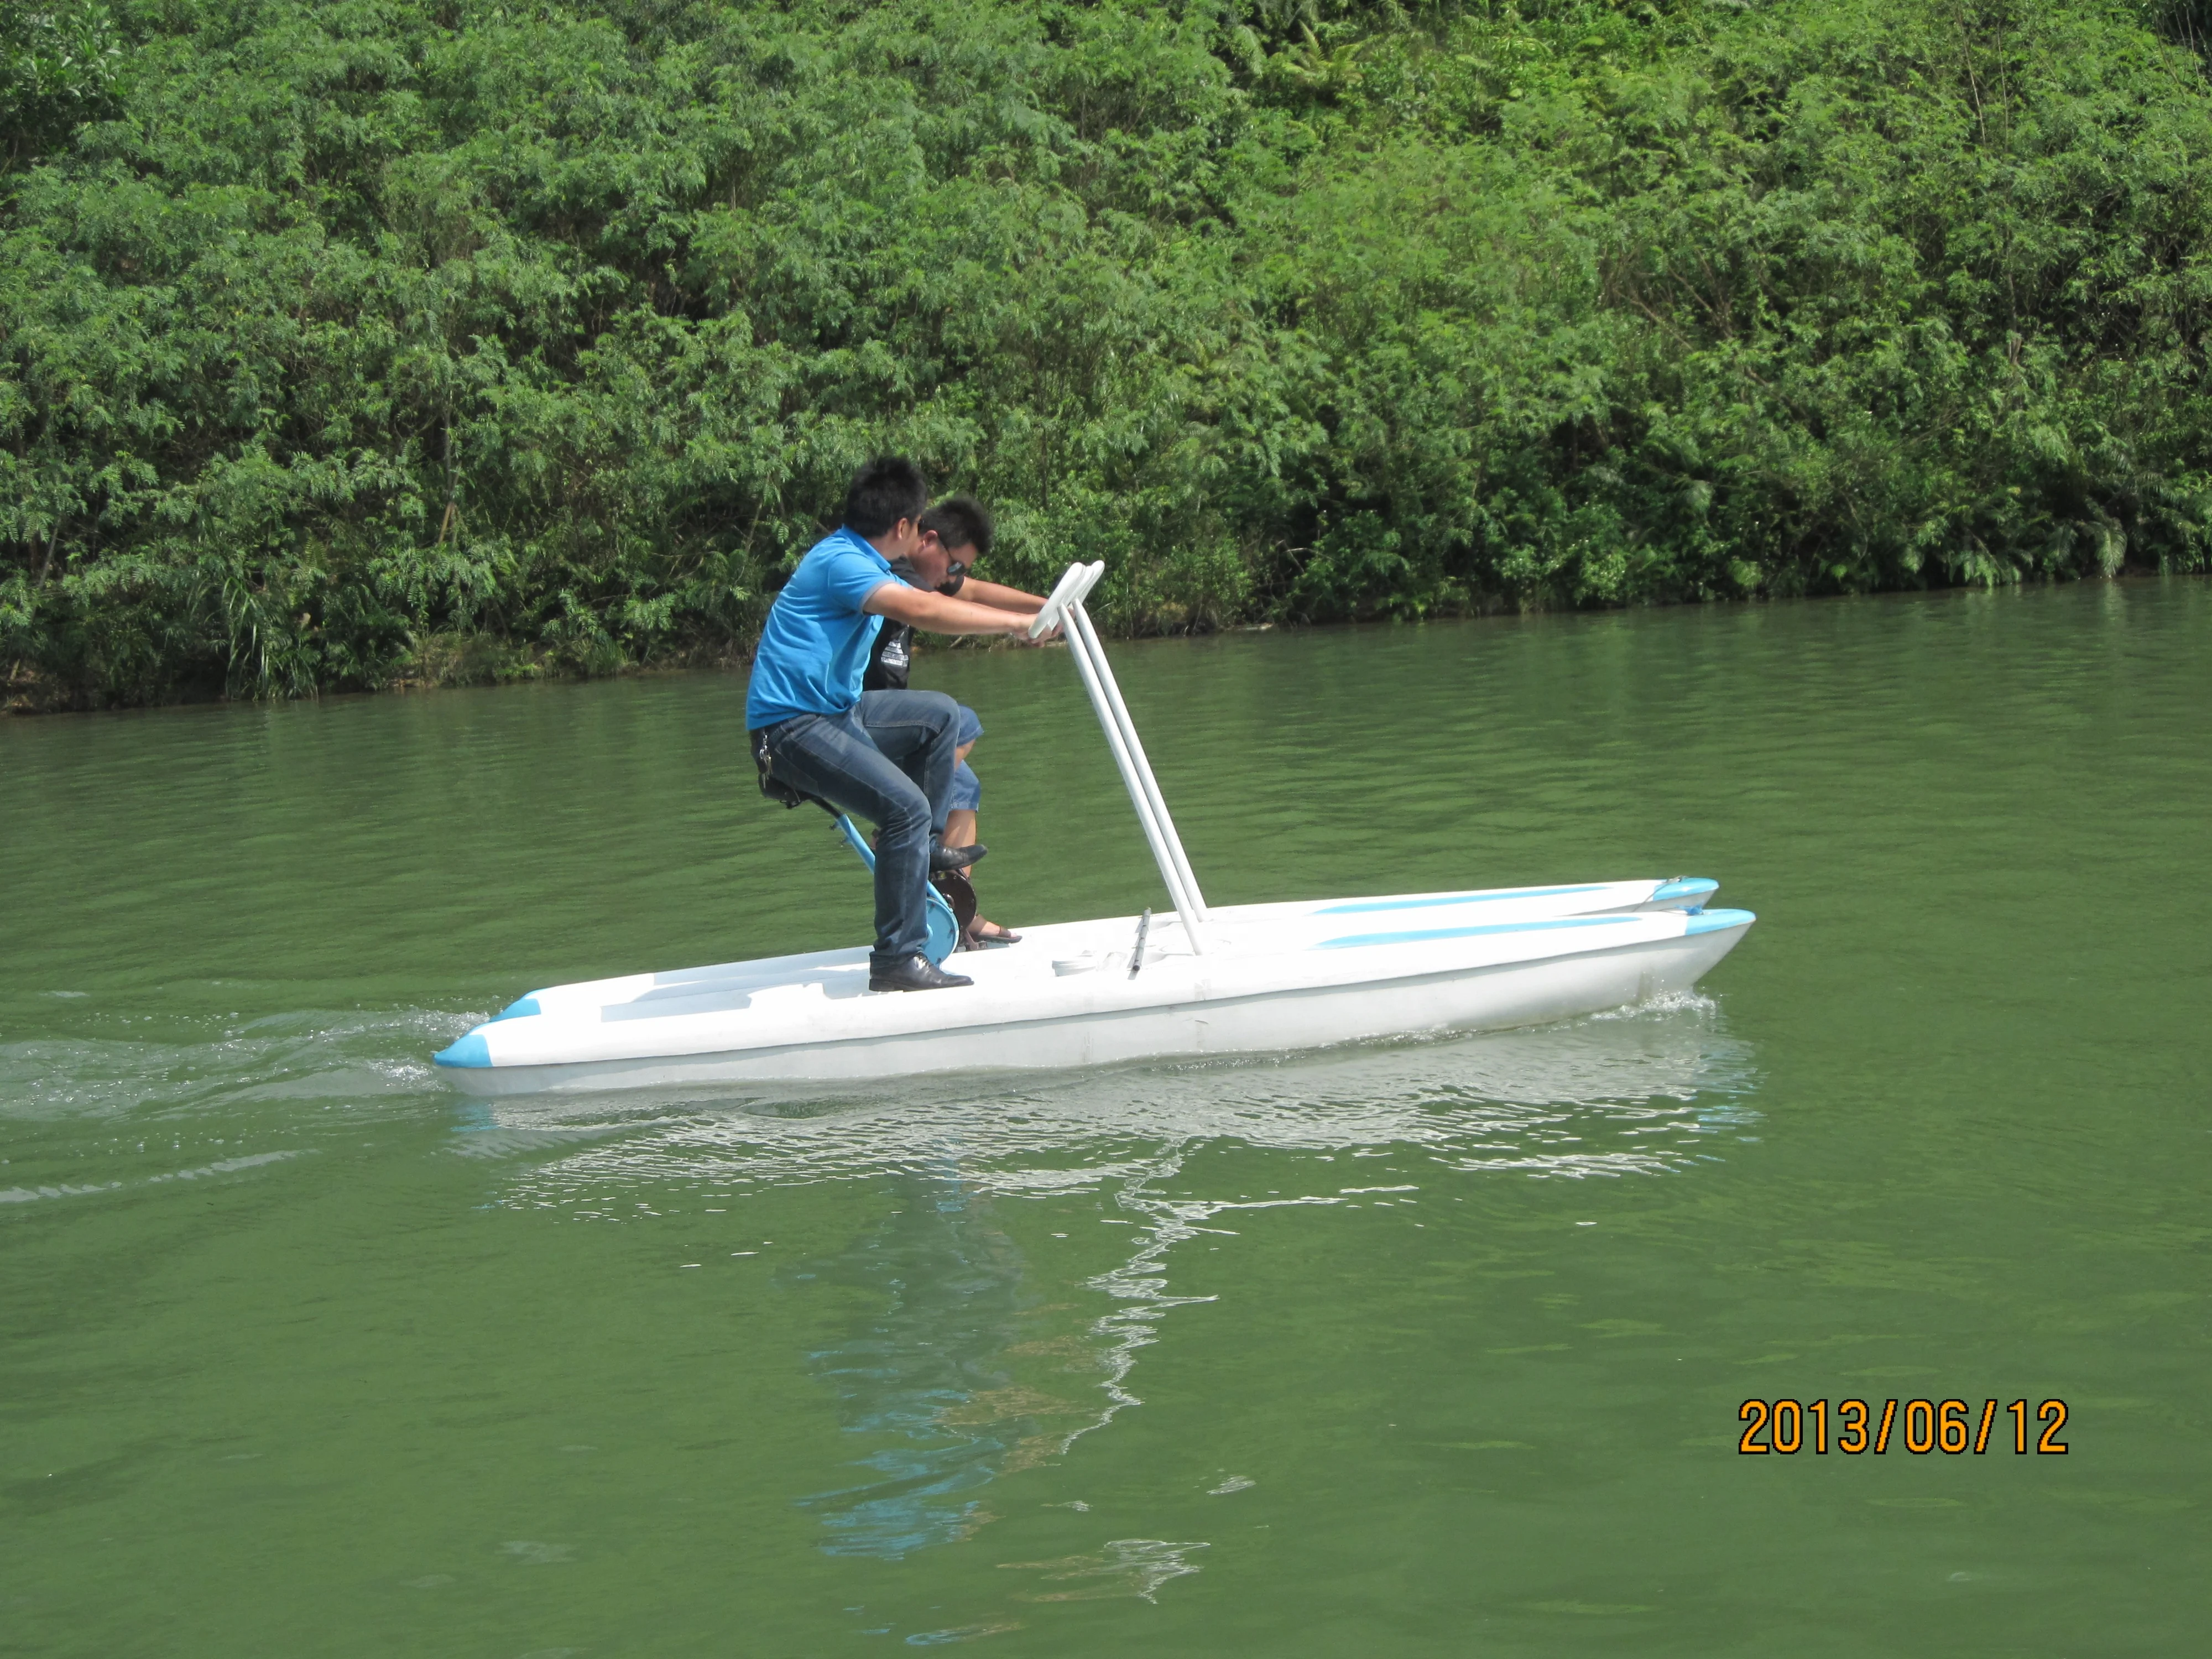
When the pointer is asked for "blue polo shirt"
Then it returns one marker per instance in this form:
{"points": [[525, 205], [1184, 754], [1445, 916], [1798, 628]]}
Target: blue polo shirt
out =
{"points": [[815, 647]]}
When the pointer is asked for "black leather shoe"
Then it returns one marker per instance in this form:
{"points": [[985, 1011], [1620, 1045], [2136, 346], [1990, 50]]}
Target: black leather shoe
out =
{"points": [[942, 857], [916, 973]]}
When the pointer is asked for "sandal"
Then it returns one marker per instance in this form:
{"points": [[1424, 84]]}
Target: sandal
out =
{"points": [[983, 932]]}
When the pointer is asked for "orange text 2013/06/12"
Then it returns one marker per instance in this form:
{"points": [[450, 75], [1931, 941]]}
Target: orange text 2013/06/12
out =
{"points": [[1856, 1426]]}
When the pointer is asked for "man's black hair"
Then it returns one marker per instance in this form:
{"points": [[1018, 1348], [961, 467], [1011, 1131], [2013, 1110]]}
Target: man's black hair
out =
{"points": [[885, 491], [960, 521]]}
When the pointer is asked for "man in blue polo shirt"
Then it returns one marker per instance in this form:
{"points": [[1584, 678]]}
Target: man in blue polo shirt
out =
{"points": [[886, 756]]}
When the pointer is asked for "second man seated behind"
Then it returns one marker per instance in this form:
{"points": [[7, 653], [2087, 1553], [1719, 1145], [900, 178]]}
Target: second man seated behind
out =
{"points": [[960, 528]]}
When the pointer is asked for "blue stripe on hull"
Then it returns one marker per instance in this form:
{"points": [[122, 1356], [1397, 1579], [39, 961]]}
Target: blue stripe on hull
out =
{"points": [[1457, 898], [1418, 935], [1711, 922]]}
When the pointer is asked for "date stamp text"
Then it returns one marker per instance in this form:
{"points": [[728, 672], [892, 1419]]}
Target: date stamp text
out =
{"points": [[1858, 1426]]}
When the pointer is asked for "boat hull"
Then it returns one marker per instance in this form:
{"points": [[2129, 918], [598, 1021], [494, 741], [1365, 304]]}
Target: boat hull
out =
{"points": [[1279, 978]]}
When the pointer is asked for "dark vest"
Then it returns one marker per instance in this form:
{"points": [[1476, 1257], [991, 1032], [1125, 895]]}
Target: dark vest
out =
{"points": [[891, 658]]}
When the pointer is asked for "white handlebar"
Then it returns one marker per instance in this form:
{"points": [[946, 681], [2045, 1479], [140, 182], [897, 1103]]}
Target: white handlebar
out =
{"points": [[1076, 581]]}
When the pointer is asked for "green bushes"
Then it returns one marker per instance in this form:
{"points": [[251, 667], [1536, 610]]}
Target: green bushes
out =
{"points": [[348, 342]]}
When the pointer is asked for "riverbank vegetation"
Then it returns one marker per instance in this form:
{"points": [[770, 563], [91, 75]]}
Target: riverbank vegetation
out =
{"points": [[345, 342]]}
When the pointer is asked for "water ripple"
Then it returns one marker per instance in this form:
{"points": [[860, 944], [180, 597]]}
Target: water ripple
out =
{"points": [[932, 1374], [301, 1054], [221, 1166], [1529, 1096]]}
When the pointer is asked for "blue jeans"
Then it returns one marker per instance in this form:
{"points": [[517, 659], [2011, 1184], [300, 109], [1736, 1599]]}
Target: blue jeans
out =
{"points": [[966, 788], [887, 759]]}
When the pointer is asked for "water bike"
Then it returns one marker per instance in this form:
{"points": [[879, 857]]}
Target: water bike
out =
{"points": [[1192, 981]]}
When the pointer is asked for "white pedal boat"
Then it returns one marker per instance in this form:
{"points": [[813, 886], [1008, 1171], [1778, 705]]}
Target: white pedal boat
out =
{"points": [[1274, 977], [1256, 978]]}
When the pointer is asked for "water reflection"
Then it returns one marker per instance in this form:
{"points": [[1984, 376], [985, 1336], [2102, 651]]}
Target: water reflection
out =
{"points": [[925, 1373], [1539, 1100], [971, 1362]]}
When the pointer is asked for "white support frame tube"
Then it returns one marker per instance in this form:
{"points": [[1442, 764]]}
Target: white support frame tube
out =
{"points": [[1157, 834], [1088, 635]]}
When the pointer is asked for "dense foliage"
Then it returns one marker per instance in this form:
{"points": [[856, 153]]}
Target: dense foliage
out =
{"points": [[345, 341]]}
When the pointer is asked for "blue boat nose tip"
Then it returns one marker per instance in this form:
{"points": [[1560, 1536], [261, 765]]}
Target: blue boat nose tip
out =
{"points": [[470, 1050], [1711, 921]]}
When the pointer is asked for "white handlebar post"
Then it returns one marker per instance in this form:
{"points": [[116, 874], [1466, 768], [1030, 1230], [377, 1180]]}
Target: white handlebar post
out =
{"points": [[1080, 620], [1186, 910], [1066, 607]]}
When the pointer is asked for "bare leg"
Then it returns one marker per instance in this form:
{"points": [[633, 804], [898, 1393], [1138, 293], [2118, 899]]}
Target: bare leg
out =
{"points": [[960, 831]]}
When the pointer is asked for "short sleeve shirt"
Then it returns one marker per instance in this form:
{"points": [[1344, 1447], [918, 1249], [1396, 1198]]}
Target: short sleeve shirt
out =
{"points": [[815, 647]]}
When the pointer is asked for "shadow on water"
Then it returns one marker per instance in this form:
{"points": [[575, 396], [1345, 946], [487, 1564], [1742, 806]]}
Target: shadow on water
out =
{"points": [[929, 1370]]}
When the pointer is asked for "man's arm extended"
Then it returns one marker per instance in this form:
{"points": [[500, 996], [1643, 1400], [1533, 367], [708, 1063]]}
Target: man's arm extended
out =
{"points": [[933, 613], [1000, 599]]}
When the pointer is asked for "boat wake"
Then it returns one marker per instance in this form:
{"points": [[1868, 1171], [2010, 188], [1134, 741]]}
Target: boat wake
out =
{"points": [[107, 1069]]}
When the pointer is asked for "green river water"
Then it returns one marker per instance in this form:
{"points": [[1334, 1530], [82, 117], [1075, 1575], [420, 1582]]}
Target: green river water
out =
{"points": [[1427, 1348]]}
